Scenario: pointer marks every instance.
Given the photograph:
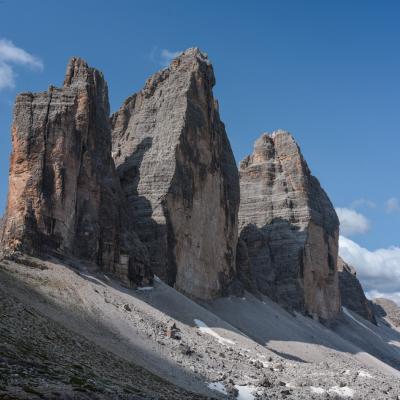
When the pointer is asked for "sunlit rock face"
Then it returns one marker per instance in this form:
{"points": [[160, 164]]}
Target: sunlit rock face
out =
{"points": [[64, 195], [179, 174], [288, 228]]}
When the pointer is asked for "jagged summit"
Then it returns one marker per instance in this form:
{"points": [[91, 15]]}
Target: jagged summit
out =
{"points": [[190, 55], [264, 146], [190, 60], [78, 72]]}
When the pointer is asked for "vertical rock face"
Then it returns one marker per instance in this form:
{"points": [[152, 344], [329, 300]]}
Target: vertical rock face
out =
{"points": [[179, 174], [352, 293], [288, 228], [64, 195]]}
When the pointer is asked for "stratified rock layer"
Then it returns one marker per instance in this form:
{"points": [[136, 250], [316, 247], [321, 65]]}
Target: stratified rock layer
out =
{"points": [[289, 229], [352, 293], [64, 194], [179, 174]]}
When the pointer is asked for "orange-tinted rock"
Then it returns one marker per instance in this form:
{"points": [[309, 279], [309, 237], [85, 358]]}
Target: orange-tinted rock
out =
{"points": [[64, 196]]}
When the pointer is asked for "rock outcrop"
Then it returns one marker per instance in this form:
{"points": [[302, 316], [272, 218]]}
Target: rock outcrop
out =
{"points": [[179, 174], [352, 293], [64, 194], [388, 310], [288, 228]]}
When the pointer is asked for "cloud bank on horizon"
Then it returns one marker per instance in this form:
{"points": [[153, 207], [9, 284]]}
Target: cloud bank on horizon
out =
{"points": [[378, 270], [10, 56]]}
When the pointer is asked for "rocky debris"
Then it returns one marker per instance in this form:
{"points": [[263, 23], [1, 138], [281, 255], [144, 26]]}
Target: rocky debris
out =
{"points": [[179, 174], [64, 194], [173, 332], [127, 308], [288, 228], [388, 310], [352, 293], [53, 362], [248, 367]]}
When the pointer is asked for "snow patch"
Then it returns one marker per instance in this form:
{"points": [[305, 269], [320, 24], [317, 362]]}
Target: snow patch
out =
{"points": [[205, 329], [145, 288], [341, 391], [317, 390], [218, 387], [364, 374], [245, 392]]}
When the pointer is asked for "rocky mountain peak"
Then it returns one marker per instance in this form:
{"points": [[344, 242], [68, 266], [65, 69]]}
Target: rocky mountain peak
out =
{"points": [[78, 71], [180, 177], [64, 195], [288, 229]]}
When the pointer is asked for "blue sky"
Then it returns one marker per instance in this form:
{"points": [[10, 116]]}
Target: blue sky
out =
{"points": [[326, 71]]}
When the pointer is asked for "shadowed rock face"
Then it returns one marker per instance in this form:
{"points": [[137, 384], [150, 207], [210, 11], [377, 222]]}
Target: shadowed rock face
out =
{"points": [[64, 195], [289, 229], [179, 174], [352, 293]]}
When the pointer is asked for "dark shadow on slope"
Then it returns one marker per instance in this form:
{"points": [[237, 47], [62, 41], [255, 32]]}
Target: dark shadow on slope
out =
{"points": [[87, 329], [288, 356], [263, 321], [267, 322]]}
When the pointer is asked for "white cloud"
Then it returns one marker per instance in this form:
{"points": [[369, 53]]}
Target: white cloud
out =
{"points": [[378, 270], [352, 222], [363, 203], [375, 294], [392, 205], [6, 76], [11, 55], [167, 56]]}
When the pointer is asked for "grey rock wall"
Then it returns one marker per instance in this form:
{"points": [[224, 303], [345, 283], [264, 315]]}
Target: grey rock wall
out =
{"points": [[179, 174], [352, 293], [288, 228]]}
